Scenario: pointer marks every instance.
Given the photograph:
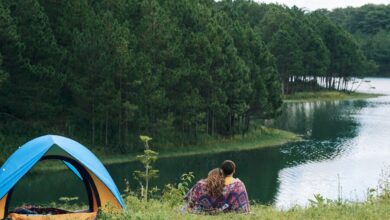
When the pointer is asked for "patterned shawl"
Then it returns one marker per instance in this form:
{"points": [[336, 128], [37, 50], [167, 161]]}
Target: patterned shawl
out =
{"points": [[235, 198]]}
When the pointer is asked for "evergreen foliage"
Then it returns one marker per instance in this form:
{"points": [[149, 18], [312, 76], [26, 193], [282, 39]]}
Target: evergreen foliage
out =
{"points": [[104, 72], [370, 25]]}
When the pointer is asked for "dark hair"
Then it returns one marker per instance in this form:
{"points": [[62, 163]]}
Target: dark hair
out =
{"points": [[228, 167], [215, 183]]}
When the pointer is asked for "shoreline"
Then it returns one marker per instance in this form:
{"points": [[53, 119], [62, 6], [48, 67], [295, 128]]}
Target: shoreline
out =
{"points": [[328, 96], [262, 137], [270, 137]]}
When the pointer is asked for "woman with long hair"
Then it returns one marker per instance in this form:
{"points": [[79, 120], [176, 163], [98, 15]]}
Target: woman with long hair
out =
{"points": [[215, 182], [206, 196]]}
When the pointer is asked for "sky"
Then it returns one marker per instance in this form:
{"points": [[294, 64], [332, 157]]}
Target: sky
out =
{"points": [[328, 4]]}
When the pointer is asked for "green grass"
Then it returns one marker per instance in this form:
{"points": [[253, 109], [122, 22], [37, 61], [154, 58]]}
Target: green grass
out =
{"points": [[378, 208], [327, 96], [168, 206], [258, 138]]}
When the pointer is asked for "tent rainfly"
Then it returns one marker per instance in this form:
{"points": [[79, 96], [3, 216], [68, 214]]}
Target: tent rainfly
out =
{"points": [[101, 189]]}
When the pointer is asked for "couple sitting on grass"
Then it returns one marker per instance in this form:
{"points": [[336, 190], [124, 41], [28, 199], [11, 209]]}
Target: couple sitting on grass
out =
{"points": [[219, 192]]}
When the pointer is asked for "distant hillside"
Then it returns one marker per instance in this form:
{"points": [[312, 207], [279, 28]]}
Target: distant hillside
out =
{"points": [[370, 24]]}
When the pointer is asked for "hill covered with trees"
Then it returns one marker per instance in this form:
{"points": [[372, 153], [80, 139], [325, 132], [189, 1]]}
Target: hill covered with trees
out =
{"points": [[370, 25], [104, 72]]}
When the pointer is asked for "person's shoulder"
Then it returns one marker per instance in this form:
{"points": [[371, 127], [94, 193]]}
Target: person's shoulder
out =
{"points": [[201, 182], [238, 182], [200, 185]]}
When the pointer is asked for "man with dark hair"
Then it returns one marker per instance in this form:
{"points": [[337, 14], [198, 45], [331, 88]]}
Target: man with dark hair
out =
{"points": [[228, 167], [234, 189]]}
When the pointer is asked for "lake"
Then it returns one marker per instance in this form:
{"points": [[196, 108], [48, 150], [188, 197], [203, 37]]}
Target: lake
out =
{"points": [[345, 152]]}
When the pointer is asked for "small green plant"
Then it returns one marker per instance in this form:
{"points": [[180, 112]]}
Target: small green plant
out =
{"points": [[174, 193], [147, 159], [318, 200], [384, 184], [145, 139], [67, 201], [108, 212], [127, 191], [372, 195], [339, 191]]}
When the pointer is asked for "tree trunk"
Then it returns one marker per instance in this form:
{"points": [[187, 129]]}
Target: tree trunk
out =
{"points": [[212, 124], [106, 130], [120, 114], [93, 122]]}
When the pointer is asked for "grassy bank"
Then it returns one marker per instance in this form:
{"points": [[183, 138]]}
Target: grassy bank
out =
{"points": [[327, 96], [377, 208], [168, 202], [258, 138]]}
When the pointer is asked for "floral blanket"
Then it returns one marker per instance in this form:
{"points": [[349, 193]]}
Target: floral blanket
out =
{"points": [[234, 198]]}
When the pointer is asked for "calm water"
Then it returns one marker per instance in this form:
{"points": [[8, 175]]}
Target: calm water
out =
{"points": [[347, 147]]}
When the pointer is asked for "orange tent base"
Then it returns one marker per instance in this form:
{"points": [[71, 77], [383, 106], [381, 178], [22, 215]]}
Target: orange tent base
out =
{"points": [[78, 216]]}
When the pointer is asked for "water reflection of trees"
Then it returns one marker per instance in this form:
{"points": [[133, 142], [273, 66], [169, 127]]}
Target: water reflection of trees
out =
{"points": [[325, 125], [42, 188]]}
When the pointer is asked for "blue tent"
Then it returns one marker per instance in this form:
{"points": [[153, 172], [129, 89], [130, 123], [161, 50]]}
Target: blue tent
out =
{"points": [[101, 187]]}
